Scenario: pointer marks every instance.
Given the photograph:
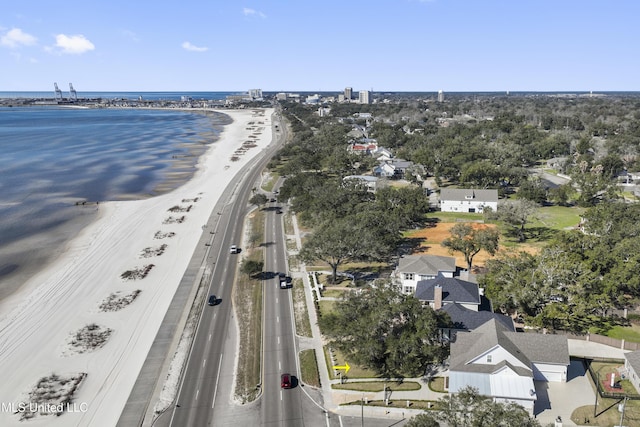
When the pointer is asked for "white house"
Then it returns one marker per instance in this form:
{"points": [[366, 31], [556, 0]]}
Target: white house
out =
{"points": [[632, 365], [368, 181], [503, 364], [414, 268], [467, 200]]}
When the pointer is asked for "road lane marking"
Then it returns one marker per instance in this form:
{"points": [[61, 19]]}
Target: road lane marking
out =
{"points": [[209, 337], [197, 393], [215, 391], [204, 362], [278, 319], [277, 300]]}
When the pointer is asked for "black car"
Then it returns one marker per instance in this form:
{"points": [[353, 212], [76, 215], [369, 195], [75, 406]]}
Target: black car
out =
{"points": [[213, 300]]}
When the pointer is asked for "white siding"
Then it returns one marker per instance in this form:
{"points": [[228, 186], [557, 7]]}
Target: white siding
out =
{"points": [[498, 354]]}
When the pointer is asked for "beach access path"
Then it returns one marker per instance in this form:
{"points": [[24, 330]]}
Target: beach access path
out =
{"points": [[39, 324]]}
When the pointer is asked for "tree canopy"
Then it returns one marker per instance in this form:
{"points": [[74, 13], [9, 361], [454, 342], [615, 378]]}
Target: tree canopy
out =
{"points": [[386, 331], [470, 240]]}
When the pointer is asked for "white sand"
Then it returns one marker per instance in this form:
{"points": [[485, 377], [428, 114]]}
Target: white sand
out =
{"points": [[35, 323]]}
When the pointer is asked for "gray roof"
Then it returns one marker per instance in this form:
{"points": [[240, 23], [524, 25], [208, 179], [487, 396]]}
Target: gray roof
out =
{"points": [[427, 264], [463, 194], [526, 347], [453, 290], [467, 319], [634, 360], [542, 348]]}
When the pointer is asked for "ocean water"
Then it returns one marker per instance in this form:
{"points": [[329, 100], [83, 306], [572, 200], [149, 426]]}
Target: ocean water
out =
{"points": [[150, 96], [53, 159]]}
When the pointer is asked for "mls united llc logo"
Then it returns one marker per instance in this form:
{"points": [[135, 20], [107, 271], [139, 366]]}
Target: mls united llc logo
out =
{"points": [[42, 408]]}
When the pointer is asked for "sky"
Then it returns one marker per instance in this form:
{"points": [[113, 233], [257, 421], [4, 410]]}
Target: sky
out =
{"points": [[307, 45]]}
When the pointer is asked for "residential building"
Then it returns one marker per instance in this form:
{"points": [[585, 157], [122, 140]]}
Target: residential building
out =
{"points": [[392, 168], [441, 291], [503, 364], [467, 200], [415, 268], [368, 181], [440, 96], [632, 366]]}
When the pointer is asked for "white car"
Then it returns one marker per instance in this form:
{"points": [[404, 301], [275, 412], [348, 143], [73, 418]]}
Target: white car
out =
{"points": [[234, 249]]}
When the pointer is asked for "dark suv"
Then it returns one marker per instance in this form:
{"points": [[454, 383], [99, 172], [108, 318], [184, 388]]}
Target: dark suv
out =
{"points": [[213, 300]]}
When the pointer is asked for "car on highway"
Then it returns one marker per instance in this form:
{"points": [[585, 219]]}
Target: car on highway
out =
{"points": [[285, 381], [282, 279], [213, 300], [234, 249]]}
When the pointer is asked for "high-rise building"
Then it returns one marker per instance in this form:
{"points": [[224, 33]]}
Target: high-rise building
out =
{"points": [[440, 96], [363, 97], [348, 93]]}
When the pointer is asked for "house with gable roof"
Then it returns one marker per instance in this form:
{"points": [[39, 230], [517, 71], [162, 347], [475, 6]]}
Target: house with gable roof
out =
{"points": [[414, 268], [503, 364], [441, 291], [467, 200]]}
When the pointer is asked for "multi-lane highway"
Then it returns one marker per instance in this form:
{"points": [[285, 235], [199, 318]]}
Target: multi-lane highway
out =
{"points": [[279, 406]]}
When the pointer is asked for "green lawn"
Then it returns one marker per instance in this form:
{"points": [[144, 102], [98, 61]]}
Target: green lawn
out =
{"points": [[309, 368], [557, 217], [627, 333]]}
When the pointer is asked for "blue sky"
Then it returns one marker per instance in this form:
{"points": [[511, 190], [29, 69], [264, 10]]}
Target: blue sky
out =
{"points": [[303, 45]]}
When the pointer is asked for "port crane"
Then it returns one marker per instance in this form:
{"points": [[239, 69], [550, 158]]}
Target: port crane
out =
{"points": [[72, 93], [58, 92]]}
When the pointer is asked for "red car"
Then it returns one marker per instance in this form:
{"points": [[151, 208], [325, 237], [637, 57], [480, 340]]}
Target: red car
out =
{"points": [[285, 381]]}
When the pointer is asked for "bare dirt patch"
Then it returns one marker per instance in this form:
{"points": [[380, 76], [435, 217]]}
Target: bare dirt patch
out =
{"points": [[432, 238], [52, 395]]}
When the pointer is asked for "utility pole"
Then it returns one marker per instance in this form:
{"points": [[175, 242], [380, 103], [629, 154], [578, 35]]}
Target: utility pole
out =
{"points": [[624, 405], [362, 411]]}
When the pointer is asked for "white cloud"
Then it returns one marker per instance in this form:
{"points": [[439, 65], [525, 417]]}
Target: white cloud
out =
{"points": [[76, 44], [15, 37], [192, 48], [252, 12]]}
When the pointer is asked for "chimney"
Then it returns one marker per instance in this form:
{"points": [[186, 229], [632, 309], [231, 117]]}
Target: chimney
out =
{"points": [[437, 297]]}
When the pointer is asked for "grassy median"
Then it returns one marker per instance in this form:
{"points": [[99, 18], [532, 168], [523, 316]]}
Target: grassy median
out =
{"points": [[247, 298]]}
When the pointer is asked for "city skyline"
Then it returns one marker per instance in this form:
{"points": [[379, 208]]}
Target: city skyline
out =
{"points": [[409, 45]]}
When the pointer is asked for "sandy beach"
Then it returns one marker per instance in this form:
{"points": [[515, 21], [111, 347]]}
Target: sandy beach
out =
{"points": [[86, 322]]}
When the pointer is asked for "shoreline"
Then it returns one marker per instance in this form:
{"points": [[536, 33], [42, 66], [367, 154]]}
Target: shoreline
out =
{"points": [[66, 295], [24, 254]]}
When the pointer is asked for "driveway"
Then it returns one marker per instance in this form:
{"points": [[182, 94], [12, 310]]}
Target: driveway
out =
{"points": [[560, 399]]}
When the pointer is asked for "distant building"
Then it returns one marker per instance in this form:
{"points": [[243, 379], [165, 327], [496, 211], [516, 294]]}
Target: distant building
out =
{"points": [[312, 99], [440, 96], [363, 97], [255, 94], [348, 94], [282, 96]]}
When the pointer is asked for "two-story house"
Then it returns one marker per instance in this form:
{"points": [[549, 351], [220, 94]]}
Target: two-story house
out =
{"points": [[467, 200], [414, 268]]}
